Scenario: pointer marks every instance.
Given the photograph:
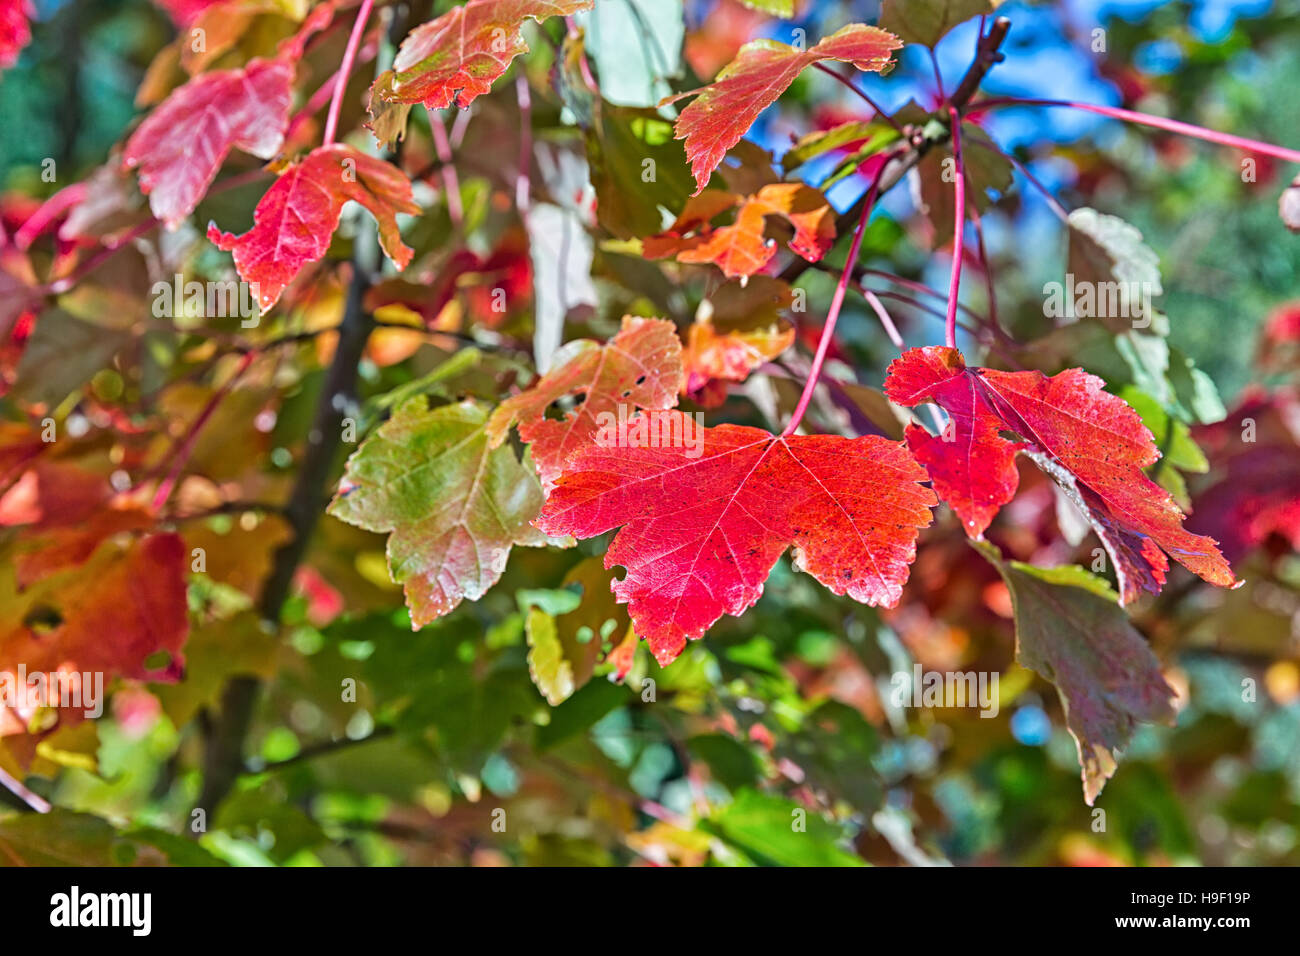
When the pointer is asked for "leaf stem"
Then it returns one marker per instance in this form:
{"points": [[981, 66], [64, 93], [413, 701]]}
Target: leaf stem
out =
{"points": [[958, 228], [345, 70], [862, 94], [1053, 203], [837, 302], [989, 284], [181, 450], [886, 320], [16, 787], [1147, 119], [938, 76], [450, 181]]}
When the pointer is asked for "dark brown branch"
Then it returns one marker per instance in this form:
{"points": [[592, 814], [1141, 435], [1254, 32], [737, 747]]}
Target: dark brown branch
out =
{"points": [[224, 759]]}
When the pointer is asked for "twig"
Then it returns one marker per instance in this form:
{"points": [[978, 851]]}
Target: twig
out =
{"points": [[862, 94], [180, 452], [345, 70], [1061, 212], [1147, 119], [450, 181], [16, 787], [320, 750], [837, 302], [878, 307], [223, 758], [958, 228], [988, 269], [921, 143], [938, 77]]}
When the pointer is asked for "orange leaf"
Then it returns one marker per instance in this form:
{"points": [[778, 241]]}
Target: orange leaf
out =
{"points": [[741, 249]]}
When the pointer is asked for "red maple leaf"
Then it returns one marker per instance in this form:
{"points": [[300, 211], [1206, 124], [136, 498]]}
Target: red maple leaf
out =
{"points": [[1090, 442], [181, 144], [741, 248], [294, 221], [458, 56], [702, 527], [724, 110]]}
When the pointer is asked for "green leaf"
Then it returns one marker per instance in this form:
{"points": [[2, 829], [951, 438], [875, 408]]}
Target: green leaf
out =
{"points": [[926, 21], [772, 831], [812, 145], [580, 711], [1109, 255], [777, 8], [1178, 449], [1194, 392], [64, 838], [835, 748], [636, 168], [447, 690], [1071, 630], [1168, 375], [731, 763], [452, 506], [552, 674], [249, 813]]}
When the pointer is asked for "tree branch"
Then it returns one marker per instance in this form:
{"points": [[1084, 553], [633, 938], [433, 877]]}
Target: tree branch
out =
{"points": [[223, 760]]}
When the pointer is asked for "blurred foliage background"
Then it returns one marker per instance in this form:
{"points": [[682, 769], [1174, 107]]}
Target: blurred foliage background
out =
{"points": [[449, 755]]}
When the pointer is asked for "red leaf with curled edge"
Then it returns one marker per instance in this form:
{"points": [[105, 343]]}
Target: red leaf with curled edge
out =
{"points": [[639, 368], [294, 221], [724, 110], [15, 29], [741, 248], [1090, 442], [458, 56], [183, 142], [703, 523]]}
